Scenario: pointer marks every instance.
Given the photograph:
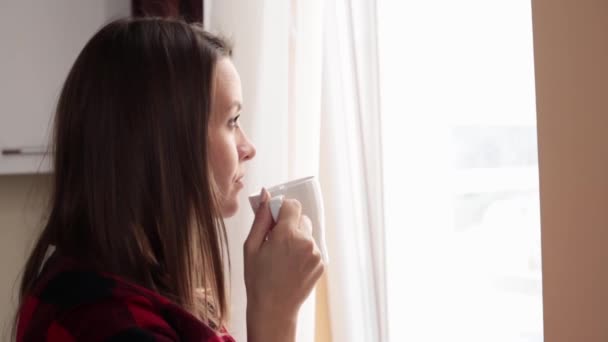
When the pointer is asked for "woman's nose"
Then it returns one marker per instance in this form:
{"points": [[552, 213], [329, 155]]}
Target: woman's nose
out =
{"points": [[247, 149]]}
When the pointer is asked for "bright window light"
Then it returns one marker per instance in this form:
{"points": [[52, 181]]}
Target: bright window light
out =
{"points": [[460, 170]]}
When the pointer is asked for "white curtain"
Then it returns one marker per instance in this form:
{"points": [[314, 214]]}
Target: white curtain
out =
{"points": [[278, 55], [311, 106], [351, 173]]}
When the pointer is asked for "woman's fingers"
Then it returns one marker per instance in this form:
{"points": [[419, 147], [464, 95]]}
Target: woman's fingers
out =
{"points": [[261, 224], [280, 274], [290, 209], [306, 225]]}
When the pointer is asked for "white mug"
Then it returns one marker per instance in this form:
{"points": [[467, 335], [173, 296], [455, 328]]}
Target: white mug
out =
{"points": [[308, 192]]}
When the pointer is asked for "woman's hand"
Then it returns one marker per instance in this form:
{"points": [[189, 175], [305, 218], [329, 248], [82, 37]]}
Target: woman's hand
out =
{"points": [[281, 271]]}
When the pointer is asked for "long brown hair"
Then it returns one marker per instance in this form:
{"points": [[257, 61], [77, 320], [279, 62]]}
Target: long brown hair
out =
{"points": [[133, 192]]}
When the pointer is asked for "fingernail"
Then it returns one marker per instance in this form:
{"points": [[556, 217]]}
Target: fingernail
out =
{"points": [[264, 195]]}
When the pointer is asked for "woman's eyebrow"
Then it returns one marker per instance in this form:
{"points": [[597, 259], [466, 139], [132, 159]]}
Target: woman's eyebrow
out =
{"points": [[236, 104]]}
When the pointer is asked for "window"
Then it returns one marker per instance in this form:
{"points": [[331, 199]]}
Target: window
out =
{"points": [[460, 170]]}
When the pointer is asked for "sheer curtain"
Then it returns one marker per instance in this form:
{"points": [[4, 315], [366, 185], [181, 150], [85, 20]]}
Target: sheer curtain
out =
{"points": [[278, 55], [309, 74], [351, 173]]}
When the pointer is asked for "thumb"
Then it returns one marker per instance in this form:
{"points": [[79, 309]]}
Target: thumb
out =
{"points": [[261, 223]]}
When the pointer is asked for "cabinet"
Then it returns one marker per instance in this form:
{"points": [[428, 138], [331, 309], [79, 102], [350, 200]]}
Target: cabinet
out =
{"points": [[39, 41]]}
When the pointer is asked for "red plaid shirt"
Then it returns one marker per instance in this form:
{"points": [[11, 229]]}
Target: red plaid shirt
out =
{"points": [[72, 303]]}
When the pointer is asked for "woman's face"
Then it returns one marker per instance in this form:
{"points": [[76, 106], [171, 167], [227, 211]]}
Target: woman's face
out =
{"points": [[229, 147]]}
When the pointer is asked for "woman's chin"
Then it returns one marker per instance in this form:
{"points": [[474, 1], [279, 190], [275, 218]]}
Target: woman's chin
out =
{"points": [[230, 209]]}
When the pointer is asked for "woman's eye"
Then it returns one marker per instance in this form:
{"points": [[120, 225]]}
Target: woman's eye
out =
{"points": [[234, 122]]}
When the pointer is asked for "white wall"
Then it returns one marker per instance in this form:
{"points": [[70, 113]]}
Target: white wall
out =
{"points": [[40, 41]]}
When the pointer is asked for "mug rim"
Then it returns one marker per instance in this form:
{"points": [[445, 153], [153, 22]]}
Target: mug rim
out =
{"points": [[290, 184]]}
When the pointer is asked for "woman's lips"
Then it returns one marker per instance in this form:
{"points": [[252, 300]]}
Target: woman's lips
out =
{"points": [[239, 181]]}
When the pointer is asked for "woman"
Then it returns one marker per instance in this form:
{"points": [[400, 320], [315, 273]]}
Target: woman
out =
{"points": [[148, 159]]}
